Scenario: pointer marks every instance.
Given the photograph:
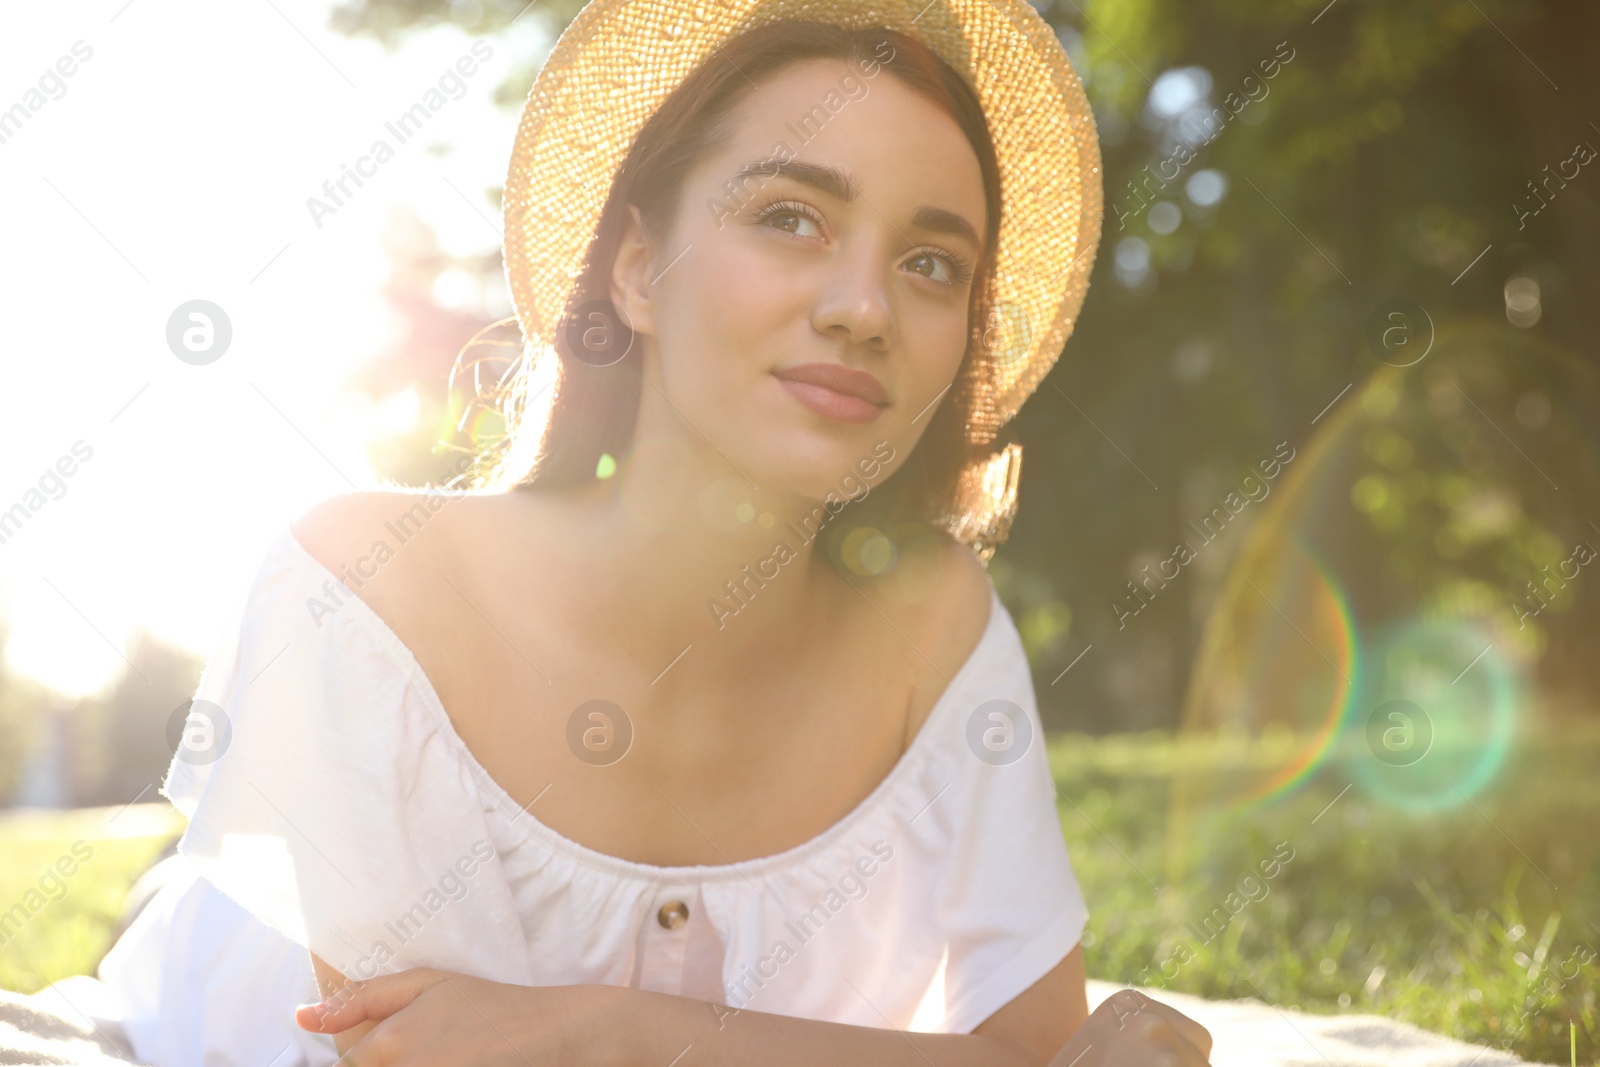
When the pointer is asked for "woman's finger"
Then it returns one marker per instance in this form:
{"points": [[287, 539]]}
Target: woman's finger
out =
{"points": [[1130, 1002], [1193, 1032], [369, 999], [1126, 1004]]}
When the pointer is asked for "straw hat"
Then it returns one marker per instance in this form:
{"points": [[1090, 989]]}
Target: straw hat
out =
{"points": [[619, 59]]}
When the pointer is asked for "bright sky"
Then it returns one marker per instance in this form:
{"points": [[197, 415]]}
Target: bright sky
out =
{"points": [[174, 164]]}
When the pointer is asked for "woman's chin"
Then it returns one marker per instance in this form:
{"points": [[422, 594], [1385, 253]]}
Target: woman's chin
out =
{"points": [[804, 470]]}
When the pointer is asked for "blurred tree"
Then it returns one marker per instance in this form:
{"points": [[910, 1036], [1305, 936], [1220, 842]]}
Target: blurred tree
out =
{"points": [[1345, 156], [120, 747], [22, 702], [442, 301]]}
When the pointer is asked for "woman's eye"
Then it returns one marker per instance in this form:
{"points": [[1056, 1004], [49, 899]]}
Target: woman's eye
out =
{"points": [[948, 269], [790, 217], [790, 220], [943, 270]]}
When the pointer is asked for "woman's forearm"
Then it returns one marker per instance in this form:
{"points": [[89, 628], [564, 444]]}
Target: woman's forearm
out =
{"points": [[659, 1027], [598, 1025]]}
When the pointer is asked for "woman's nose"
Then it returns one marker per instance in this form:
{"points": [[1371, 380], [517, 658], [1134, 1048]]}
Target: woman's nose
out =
{"points": [[854, 304]]}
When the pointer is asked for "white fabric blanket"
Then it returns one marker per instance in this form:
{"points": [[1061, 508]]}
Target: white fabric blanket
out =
{"points": [[62, 1024], [52, 1028], [1250, 1033]]}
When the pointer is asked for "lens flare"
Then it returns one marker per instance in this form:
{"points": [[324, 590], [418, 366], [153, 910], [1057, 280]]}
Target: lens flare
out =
{"points": [[1455, 729], [1373, 625], [1316, 700]]}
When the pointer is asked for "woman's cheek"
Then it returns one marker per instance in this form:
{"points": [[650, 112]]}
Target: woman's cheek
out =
{"points": [[749, 290], [736, 316], [934, 346]]}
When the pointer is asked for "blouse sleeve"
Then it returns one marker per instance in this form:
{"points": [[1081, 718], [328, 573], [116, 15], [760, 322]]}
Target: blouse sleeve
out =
{"points": [[1011, 904], [321, 796]]}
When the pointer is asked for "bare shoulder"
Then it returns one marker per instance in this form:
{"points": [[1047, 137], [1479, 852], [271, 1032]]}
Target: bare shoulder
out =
{"points": [[402, 513], [966, 586], [378, 542], [942, 585], [939, 595]]}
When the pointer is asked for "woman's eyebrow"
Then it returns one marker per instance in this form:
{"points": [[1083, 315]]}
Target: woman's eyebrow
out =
{"points": [[939, 220], [831, 180], [841, 186]]}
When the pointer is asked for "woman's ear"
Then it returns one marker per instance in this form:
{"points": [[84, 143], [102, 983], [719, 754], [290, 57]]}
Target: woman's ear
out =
{"points": [[630, 274]]}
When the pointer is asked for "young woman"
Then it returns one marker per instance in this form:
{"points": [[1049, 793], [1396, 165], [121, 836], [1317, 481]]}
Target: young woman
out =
{"points": [[696, 732]]}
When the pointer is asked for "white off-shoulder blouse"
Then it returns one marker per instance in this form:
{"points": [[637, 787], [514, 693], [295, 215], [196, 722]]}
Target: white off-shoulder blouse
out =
{"points": [[332, 799]]}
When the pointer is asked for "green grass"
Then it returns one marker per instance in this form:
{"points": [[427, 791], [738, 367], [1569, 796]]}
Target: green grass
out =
{"points": [[64, 904], [1441, 920]]}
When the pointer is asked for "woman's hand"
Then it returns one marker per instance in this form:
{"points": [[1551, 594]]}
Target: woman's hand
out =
{"points": [[440, 1018], [1129, 1029]]}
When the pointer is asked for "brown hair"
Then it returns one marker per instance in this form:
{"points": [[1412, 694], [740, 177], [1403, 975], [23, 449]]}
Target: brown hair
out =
{"points": [[945, 484]]}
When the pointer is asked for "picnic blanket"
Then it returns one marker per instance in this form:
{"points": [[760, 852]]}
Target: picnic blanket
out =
{"points": [[1254, 1033], [63, 1023]]}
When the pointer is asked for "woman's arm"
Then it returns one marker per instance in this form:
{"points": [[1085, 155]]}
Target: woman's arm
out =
{"points": [[614, 1025], [1028, 1030], [1048, 1025], [1045, 1015]]}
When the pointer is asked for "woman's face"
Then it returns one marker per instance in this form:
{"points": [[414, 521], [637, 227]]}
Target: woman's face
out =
{"points": [[816, 306]]}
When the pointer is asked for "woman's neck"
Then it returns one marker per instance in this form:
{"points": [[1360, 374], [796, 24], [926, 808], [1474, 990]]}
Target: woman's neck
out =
{"points": [[679, 547]]}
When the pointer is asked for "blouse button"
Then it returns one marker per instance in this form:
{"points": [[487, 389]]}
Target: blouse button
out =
{"points": [[673, 914]]}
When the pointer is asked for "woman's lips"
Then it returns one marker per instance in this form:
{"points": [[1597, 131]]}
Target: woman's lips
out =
{"points": [[835, 392]]}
